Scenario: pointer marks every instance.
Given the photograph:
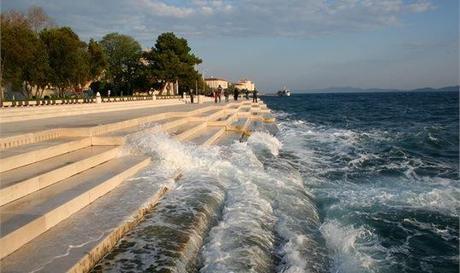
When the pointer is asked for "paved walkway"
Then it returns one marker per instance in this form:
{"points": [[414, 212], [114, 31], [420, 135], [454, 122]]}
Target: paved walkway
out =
{"points": [[89, 120]]}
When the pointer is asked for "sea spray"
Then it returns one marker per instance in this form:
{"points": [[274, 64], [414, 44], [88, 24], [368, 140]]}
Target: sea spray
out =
{"points": [[352, 248], [291, 220], [252, 201], [300, 246], [264, 141], [244, 238], [169, 238]]}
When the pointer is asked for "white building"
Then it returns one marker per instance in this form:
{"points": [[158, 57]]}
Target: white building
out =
{"points": [[214, 83], [245, 84]]}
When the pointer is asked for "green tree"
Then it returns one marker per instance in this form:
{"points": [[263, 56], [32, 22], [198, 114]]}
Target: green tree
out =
{"points": [[37, 72], [171, 59], [123, 61], [68, 58], [24, 62], [97, 58]]}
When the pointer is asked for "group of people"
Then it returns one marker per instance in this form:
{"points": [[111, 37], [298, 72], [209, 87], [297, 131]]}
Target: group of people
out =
{"points": [[236, 93]]}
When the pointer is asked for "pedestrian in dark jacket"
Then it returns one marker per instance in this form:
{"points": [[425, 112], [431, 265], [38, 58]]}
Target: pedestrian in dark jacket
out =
{"points": [[254, 96], [235, 94], [219, 93]]}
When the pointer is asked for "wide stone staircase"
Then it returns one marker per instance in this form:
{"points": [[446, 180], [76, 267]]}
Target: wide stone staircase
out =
{"points": [[50, 187]]}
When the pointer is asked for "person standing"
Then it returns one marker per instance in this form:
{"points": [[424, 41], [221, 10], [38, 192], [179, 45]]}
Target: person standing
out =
{"points": [[247, 94], [226, 95], [235, 94], [219, 93], [215, 95], [254, 95]]}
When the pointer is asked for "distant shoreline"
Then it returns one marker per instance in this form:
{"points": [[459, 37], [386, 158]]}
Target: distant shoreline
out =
{"points": [[351, 90]]}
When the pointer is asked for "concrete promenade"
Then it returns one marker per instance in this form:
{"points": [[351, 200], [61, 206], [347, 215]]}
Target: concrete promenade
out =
{"points": [[90, 119], [66, 196]]}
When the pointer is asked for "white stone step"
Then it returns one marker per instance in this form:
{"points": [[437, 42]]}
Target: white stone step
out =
{"points": [[27, 154], [86, 236], [190, 132], [119, 137], [205, 135], [24, 180], [212, 140], [228, 138], [26, 218], [177, 130]]}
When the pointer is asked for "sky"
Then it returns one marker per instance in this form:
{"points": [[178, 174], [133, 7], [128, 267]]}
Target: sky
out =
{"points": [[301, 44]]}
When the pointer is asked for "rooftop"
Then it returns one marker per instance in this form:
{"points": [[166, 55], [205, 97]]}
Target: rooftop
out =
{"points": [[214, 79]]}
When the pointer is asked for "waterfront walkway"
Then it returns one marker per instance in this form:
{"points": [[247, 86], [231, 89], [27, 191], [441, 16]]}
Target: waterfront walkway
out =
{"points": [[89, 120], [65, 197]]}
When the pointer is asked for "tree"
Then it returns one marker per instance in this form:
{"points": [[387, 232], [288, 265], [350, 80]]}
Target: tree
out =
{"points": [[123, 61], [98, 59], [37, 72], [68, 58], [171, 59], [24, 62], [38, 19]]}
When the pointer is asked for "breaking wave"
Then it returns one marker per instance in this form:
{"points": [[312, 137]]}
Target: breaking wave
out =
{"points": [[235, 208]]}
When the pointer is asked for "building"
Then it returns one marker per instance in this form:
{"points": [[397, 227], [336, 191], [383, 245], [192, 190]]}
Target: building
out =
{"points": [[214, 83], [245, 84]]}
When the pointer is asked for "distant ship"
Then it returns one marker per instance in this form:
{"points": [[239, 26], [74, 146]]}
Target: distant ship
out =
{"points": [[284, 93]]}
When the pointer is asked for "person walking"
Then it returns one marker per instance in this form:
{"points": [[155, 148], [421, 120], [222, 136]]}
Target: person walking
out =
{"points": [[215, 95], [254, 96], [219, 93], [247, 94], [191, 95], [235, 94]]}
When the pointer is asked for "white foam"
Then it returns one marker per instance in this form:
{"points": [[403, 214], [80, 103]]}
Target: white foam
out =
{"points": [[247, 217], [330, 159], [446, 200], [262, 140], [352, 247]]}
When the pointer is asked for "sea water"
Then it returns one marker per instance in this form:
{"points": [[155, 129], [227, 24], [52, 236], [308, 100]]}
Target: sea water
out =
{"points": [[384, 171], [349, 183]]}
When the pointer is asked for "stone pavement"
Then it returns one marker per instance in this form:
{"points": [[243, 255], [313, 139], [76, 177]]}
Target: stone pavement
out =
{"points": [[90, 120]]}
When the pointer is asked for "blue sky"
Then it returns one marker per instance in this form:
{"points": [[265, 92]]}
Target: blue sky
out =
{"points": [[303, 44]]}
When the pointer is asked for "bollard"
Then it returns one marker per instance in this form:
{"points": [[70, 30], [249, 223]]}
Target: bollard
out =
{"points": [[98, 98]]}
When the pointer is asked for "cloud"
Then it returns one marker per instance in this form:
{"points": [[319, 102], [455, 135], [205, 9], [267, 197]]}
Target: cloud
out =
{"points": [[164, 10], [236, 18], [420, 6]]}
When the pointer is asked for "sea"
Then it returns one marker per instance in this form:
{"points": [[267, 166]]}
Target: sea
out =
{"points": [[348, 183]]}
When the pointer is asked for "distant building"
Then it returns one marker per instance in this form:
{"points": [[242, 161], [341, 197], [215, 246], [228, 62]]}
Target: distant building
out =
{"points": [[245, 84], [214, 83]]}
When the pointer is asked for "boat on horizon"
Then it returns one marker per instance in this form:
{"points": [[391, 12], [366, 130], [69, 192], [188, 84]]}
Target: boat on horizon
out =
{"points": [[284, 93]]}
